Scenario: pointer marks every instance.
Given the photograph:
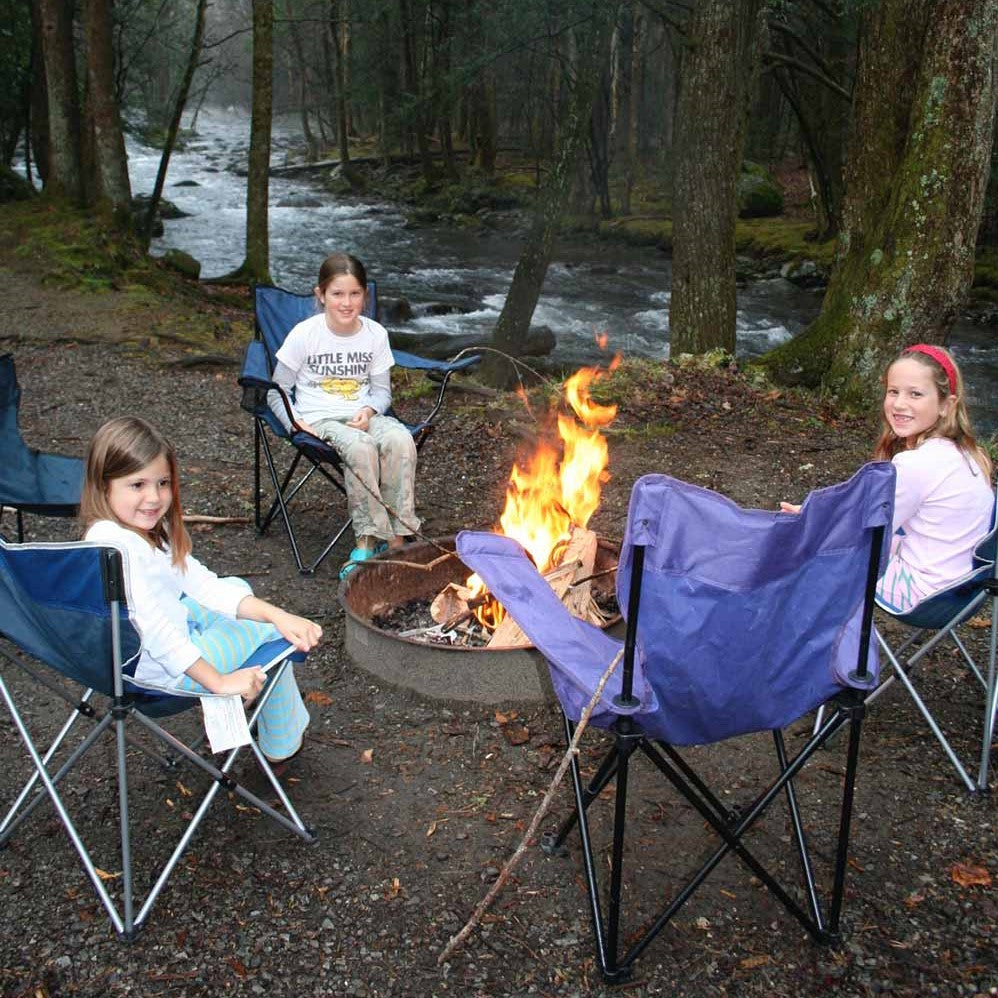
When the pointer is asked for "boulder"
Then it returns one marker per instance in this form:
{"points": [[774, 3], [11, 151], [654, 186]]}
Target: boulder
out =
{"points": [[759, 195], [13, 187], [186, 183], [440, 346], [183, 263], [394, 310], [299, 201]]}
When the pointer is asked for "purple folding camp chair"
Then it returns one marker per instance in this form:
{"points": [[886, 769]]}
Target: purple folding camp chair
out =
{"points": [[738, 621]]}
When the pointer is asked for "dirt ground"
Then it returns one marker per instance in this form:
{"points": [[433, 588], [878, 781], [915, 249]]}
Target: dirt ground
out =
{"points": [[417, 803]]}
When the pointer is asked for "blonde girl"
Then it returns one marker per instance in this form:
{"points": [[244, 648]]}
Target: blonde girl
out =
{"points": [[196, 628], [943, 500]]}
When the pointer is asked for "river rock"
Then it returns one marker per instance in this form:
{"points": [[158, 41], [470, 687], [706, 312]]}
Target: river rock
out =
{"points": [[804, 273], [440, 346], [299, 201], [186, 183], [394, 310]]}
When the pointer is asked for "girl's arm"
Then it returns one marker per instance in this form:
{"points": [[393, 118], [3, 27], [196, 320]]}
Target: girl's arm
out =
{"points": [[247, 683], [378, 393], [304, 634], [285, 377]]}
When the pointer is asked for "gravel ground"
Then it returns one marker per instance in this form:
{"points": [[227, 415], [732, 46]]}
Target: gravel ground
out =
{"points": [[418, 803]]}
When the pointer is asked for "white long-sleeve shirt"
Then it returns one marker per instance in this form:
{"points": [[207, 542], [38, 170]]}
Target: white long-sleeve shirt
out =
{"points": [[943, 502], [155, 586]]}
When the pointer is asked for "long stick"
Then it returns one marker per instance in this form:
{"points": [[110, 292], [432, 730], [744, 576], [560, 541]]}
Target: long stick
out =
{"points": [[573, 750]]}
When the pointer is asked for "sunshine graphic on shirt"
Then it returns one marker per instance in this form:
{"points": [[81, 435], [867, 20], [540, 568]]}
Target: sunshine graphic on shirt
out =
{"points": [[346, 388]]}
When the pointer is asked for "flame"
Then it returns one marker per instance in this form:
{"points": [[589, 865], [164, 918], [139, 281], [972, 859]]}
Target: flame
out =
{"points": [[556, 487]]}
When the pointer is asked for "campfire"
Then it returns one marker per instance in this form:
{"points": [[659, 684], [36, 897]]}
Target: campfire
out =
{"points": [[550, 499]]}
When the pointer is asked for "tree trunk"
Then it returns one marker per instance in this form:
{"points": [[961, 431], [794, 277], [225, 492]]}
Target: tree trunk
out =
{"points": [[718, 68], [63, 174], [918, 165], [337, 48], [300, 73], [173, 128], [109, 143], [413, 91], [255, 268], [513, 324], [625, 116]]}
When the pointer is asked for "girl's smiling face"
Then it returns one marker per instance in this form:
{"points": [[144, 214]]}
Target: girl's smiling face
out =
{"points": [[911, 402], [342, 301], [141, 500]]}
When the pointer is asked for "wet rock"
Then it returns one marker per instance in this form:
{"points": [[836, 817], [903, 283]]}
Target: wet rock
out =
{"points": [[186, 183], [394, 310], [183, 263], [299, 201]]}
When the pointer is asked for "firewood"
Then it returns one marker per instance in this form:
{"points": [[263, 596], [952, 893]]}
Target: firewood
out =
{"points": [[580, 554]]}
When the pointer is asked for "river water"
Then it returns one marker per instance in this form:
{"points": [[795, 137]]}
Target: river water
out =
{"points": [[591, 287]]}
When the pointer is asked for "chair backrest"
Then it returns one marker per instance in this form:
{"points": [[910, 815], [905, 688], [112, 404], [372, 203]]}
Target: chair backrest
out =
{"points": [[278, 311], [29, 479], [55, 605], [749, 619]]}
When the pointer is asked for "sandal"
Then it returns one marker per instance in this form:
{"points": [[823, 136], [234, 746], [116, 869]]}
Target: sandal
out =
{"points": [[357, 555]]}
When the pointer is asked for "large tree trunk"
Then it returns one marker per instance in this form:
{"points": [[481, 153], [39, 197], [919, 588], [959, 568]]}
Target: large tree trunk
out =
{"points": [[63, 174], [338, 49], [718, 67], [255, 268], [113, 187], [625, 115], [173, 128], [916, 175], [513, 324]]}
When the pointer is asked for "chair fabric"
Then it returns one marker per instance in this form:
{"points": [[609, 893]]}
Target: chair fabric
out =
{"points": [[65, 605], [938, 619], [738, 621], [277, 311], [31, 481]]}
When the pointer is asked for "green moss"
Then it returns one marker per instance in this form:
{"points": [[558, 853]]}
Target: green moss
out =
{"points": [[639, 231], [783, 238], [986, 269]]}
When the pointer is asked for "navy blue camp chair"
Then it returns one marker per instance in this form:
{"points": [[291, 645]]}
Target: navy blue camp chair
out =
{"points": [[277, 312], [939, 619], [737, 621], [65, 606], [31, 481]]}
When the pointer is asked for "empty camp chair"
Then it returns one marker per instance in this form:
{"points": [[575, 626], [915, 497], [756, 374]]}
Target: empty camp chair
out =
{"points": [[939, 619], [737, 621], [277, 312], [31, 481], [65, 606]]}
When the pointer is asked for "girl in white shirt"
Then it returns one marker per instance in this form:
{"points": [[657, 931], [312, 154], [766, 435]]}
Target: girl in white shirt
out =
{"points": [[196, 628], [943, 499], [337, 363]]}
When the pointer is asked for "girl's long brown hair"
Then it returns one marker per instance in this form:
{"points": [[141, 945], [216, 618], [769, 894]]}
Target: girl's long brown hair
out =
{"points": [[954, 425], [123, 447]]}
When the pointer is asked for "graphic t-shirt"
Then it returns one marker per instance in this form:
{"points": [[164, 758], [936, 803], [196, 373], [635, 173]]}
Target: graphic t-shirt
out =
{"points": [[332, 372]]}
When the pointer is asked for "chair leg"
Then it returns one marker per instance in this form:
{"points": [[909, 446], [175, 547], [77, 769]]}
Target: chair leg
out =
{"points": [[990, 699]]}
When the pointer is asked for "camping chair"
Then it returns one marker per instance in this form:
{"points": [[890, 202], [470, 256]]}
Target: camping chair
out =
{"points": [[940, 618], [30, 481], [737, 621], [65, 606], [277, 311]]}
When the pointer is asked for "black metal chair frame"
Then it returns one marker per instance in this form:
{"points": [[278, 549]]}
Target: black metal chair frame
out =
{"points": [[616, 963]]}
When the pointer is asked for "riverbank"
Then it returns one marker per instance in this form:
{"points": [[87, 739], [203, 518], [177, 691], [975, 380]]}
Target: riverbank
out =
{"points": [[418, 802]]}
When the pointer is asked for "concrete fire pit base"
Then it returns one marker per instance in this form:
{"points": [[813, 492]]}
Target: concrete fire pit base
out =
{"points": [[440, 672]]}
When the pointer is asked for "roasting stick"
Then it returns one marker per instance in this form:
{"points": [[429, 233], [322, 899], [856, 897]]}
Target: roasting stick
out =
{"points": [[458, 940]]}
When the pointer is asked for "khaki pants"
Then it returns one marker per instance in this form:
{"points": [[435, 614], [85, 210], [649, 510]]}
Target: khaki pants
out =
{"points": [[384, 458]]}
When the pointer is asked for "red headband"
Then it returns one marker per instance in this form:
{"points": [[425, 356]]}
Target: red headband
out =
{"points": [[940, 357]]}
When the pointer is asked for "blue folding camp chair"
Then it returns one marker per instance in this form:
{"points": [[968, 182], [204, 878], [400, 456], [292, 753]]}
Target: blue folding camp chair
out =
{"points": [[65, 606], [737, 621], [31, 481], [277, 312], [939, 619]]}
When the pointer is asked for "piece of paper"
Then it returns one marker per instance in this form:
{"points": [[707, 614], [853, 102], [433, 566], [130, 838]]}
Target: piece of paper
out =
{"points": [[225, 722]]}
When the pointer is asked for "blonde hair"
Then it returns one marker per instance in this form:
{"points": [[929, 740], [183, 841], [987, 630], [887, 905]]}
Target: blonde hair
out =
{"points": [[954, 424], [123, 447]]}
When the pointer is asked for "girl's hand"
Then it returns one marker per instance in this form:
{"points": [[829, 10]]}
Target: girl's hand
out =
{"points": [[789, 507], [308, 428], [361, 419], [303, 633], [246, 682]]}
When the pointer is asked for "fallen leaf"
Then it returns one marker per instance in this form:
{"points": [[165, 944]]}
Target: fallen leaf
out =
{"points": [[367, 755], [516, 734], [238, 967], [506, 718], [396, 888], [104, 875], [968, 875], [980, 623], [913, 899], [432, 829], [184, 790], [751, 962], [319, 698]]}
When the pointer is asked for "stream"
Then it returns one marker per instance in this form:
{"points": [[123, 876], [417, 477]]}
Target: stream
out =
{"points": [[456, 280]]}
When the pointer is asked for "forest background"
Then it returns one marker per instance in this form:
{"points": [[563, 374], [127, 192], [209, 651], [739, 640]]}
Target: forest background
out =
{"points": [[669, 118]]}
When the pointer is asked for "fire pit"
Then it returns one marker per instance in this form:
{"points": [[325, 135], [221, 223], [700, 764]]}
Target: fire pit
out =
{"points": [[448, 672]]}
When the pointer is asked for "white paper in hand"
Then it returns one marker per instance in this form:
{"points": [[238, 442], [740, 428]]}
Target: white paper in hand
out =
{"points": [[225, 722]]}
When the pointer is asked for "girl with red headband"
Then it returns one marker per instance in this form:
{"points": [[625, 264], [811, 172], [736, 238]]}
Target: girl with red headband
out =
{"points": [[943, 499]]}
